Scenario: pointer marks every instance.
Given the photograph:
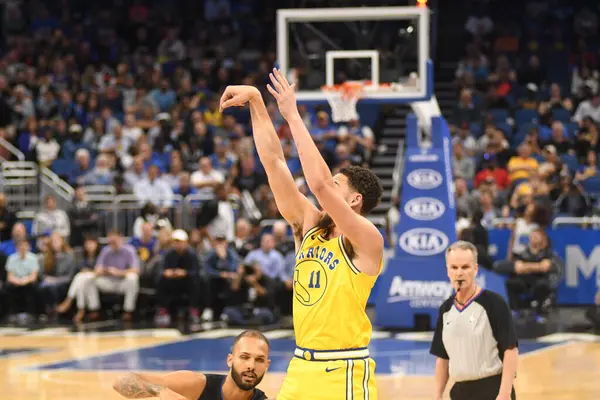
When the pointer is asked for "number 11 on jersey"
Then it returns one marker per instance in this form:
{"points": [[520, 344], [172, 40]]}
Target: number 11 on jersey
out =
{"points": [[315, 280]]}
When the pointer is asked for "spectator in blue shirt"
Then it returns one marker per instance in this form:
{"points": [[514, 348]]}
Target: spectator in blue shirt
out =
{"points": [[22, 270], [221, 265], [145, 245], [9, 247], [269, 260]]}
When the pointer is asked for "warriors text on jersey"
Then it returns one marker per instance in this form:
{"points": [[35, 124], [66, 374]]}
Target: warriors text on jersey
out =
{"points": [[330, 296]]}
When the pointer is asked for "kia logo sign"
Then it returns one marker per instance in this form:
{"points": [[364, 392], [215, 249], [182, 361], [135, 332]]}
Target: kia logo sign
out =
{"points": [[423, 242], [424, 208], [424, 179]]}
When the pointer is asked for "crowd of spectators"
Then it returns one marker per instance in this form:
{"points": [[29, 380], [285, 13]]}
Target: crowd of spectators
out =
{"points": [[526, 134], [125, 94]]}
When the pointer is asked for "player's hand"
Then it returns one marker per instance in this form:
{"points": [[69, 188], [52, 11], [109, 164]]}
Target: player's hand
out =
{"points": [[284, 94], [168, 273], [237, 96], [114, 271], [168, 394]]}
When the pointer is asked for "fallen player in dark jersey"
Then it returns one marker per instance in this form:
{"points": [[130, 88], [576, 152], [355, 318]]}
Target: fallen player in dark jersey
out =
{"points": [[248, 363]]}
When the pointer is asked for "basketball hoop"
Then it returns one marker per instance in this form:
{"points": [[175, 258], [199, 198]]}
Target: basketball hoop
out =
{"points": [[342, 99]]}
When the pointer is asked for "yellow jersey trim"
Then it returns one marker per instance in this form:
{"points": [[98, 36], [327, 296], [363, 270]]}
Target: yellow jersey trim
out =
{"points": [[345, 254]]}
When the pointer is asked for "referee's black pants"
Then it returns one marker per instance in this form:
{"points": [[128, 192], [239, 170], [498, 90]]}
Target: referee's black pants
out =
{"points": [[480, 389]]}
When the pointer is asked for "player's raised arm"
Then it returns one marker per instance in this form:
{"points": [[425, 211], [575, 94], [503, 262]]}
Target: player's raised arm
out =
{"points": [[179, 385], [364, 236], [294, 207]]}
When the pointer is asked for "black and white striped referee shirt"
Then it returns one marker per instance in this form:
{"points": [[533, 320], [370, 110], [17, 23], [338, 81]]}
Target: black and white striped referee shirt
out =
{"points": [[475, 337]]}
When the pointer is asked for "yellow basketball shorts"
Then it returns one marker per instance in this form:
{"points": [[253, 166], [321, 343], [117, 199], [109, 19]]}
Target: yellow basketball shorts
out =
{"points": [[339, 379]]}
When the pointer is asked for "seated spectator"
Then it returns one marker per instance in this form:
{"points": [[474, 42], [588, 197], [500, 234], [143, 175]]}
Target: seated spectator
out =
{"points": [[534, 74], [102, 174], [153, 189], [83, 165], [86, 266], [164, 241], [51, 220], [184, 187], [22, 270], [269, 261], [556, 101], [7, 219], [551, 167], [180, 276], [534, 274], [19, 233], [84, 219], [224, 221], [136, 172], [466, 140], [532, 217], [253, 298], [246, 177], [588, 138], [175, 170], [465, 113], [487, 209], [206, 178], [559, 139], [465, 201], [244, 242], [521, 165], [221, 266], [572, 200], [117, 271], [46, 148], [57, 268], [491, 171], [588, 109], [150, 213], [285, 245], [360, 139], [463, 165], [590, 169], [145, 245]]}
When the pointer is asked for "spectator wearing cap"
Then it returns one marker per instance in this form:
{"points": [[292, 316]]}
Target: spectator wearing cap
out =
{"points": [[117, 272], [180, 276], [221, 266], [154, 189]]}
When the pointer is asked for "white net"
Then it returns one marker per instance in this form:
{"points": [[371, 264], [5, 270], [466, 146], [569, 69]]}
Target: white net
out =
{"points": [[342, 99]]}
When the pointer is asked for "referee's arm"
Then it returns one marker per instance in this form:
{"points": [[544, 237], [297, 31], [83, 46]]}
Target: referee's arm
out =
{"points": [[442, 361], [503, 328]]}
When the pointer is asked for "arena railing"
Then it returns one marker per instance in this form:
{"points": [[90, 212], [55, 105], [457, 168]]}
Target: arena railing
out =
{"points": [[21, 185], [398, 169], [128, 207], [52, 184], [12, 149]]}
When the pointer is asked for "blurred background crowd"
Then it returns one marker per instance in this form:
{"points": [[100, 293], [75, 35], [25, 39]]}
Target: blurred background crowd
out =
{"points": [[124, 95]]}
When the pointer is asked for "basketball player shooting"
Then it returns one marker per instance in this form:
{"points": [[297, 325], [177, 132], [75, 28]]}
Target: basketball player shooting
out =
{"points": [[338, 254]]}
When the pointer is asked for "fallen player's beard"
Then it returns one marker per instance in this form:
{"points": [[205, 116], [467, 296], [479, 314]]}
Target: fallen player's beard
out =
{"points": [[237, 379]]}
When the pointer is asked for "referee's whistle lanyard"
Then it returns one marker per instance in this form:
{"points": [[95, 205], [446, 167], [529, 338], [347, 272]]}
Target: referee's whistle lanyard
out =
{"points": [[469, 299]]}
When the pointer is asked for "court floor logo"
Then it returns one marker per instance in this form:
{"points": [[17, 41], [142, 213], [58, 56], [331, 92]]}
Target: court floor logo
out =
{"points": [[424, 208], [423, 241], [424, 178]]}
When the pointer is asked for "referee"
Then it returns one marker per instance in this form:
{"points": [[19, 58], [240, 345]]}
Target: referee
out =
{"points": [[475, 340]]}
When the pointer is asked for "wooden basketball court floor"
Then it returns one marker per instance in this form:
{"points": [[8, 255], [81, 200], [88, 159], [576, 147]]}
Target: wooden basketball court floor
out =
{"points": [[55, 364]]}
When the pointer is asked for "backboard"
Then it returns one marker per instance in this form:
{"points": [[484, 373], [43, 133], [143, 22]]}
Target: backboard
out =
{"points": [[387, 46]]}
